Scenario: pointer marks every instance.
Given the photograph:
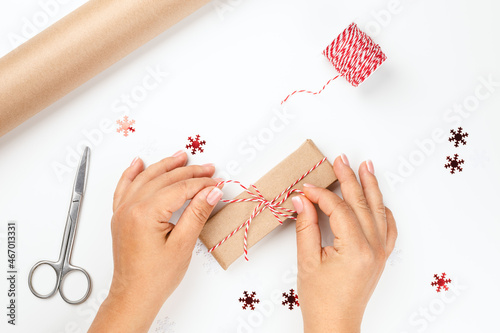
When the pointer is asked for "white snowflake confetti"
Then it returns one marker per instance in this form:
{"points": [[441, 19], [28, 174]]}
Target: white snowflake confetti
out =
{"points": [[209, 263], [480, 158], [396, 257], [165, 325], [149, 146]]}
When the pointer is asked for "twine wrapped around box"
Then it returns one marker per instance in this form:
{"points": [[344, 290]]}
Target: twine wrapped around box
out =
{"points": [[228, 235]]}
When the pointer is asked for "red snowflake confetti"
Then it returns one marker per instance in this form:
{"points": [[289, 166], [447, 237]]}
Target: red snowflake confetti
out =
{"points": [[454, 164], [125, 126], [249, 301], [291, 299], [458, 137], [195, 144], [440, 282]]}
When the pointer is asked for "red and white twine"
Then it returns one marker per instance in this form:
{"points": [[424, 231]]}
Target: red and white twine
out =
{"points": [[274, 206], [354, 55]]}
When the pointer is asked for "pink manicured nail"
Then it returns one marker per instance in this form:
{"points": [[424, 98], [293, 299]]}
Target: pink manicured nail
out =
{"points": [[209, 165], [345, 159], [369, 165], [179, 153], [214, 196], [297, 203], [218, 180], [309, 185], [133, 161]]}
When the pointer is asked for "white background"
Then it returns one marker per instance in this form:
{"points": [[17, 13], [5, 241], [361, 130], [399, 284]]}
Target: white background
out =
{"points": [[229, 66]]}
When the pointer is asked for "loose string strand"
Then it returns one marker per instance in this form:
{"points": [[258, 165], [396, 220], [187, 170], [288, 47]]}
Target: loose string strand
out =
{"points": [[354, 55]]}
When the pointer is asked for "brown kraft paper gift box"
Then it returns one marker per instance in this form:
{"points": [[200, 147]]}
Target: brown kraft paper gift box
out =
{"points": [[270, 185]]}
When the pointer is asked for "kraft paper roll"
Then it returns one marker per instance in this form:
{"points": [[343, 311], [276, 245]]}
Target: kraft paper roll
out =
{"points": [[78, 47]]}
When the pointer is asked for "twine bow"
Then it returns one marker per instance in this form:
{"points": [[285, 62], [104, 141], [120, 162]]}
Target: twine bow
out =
{"points": [[273, 205]]}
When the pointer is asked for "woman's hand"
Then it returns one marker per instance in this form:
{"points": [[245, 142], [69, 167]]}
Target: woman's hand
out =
{"points": [[150, 254], [336, 282]]}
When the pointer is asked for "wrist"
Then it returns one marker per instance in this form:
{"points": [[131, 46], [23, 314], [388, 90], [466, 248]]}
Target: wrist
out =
{"points": [[332, 327], [125, 311], [322, 322]]}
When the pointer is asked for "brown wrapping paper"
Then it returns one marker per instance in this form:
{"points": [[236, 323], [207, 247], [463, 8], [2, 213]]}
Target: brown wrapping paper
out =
{"points": [[273, 183], [78, 47]]}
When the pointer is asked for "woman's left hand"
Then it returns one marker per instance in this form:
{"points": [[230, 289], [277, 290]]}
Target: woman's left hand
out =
{"points": [[151, 255]]}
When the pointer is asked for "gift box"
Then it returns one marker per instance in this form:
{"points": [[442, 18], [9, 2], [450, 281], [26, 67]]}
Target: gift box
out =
{"points": [[306, 165]]}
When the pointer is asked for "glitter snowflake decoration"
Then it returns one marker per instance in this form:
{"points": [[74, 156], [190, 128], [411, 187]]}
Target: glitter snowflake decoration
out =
{"points": [[291, 299], [440, 282], [125, 126], [458, 137], [479, 158], [249, 301], [454, 164], [209, 263], [165, 326], [195, 144], [396, 257], [148, 146]]}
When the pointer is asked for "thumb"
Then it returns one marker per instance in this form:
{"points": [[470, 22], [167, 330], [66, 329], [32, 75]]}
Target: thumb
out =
{"points": [[308, 232], [194, 217]]}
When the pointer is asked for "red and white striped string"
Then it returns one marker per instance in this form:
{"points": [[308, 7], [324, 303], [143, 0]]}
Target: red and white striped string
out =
{"points": [[274, 206], [354, 55]]}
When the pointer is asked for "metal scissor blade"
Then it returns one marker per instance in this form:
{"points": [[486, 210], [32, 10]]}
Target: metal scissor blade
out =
{"points": [[81, 174]]}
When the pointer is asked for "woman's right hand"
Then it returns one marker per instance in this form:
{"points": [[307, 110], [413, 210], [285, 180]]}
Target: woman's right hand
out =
{"points": [[336, 282]]}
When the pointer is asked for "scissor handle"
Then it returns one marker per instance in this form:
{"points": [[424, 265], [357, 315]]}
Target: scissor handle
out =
{"points": [[68, 269], [57, 267], [61, 271]]}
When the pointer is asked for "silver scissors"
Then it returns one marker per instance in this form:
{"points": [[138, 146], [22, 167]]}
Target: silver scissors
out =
{"points": [[63, 266]]}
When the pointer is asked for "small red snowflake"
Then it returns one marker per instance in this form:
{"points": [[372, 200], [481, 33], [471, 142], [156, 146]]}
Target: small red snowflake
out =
{"points": [[249, 301], [454, 164], [440, 282], [125, 126], [458, 137], [291, 299], [195, 144]]}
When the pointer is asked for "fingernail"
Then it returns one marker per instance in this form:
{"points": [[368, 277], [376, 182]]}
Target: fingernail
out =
{"points": [[133, 161], [309, 185], [208, 165], [214, 196], [179, 153], [369, 165], [344, 159], [218, 180], [297, 203]]}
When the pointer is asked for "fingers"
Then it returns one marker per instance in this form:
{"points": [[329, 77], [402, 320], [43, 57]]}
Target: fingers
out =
{"points": [[176, 175], [167, 228], [392, 232], [307, 228], [177, 160], [193, 218], [355, 198], [173, 197], [126, 179], [374, 197], [343, 222]]}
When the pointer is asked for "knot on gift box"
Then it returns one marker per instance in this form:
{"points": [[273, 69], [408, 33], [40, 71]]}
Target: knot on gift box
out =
{"points": [[273, 205]]}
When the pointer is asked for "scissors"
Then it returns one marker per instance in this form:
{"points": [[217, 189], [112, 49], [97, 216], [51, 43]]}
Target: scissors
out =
{"points": [[63, 266]]}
